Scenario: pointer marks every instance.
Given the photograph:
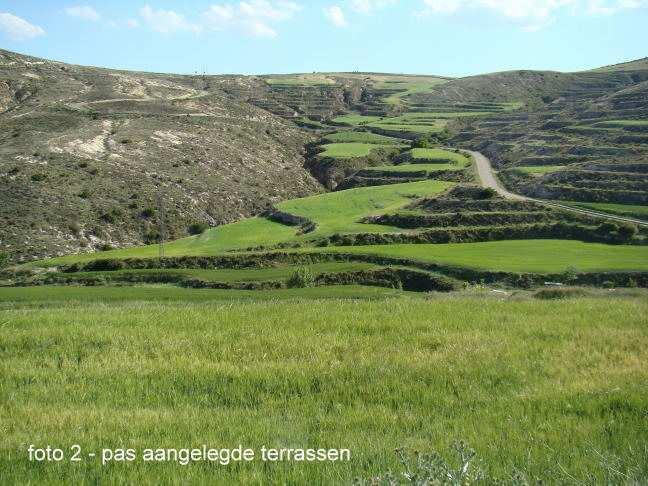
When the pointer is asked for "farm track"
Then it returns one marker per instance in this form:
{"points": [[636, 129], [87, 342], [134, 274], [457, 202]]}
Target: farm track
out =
{"points": [[489, 179]]}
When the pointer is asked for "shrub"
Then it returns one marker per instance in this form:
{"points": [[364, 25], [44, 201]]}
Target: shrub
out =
{"points": [[197, 228], [75, 228], [421, 143], [38, 177], [608, 227], [627, 231], [301, 278], [151, 236], [4, 259], [148, 212], [487, 193], [106, 247]]}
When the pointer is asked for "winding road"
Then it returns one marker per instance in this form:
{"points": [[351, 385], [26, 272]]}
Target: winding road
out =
{"points": [[489, 179]]}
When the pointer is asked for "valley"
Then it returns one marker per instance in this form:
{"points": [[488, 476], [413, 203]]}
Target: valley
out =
{"points": [[359, 260]]}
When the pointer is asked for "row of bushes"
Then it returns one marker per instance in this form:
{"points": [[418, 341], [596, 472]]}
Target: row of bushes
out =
{"points": [[461, 219], [445, 205], [407, 279], [559, 230]]}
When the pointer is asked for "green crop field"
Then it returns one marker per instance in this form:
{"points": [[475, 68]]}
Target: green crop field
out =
{"points": [[301, 80], [542, 256], [333, 212], [340, 211], [347, 150], [440, 155], [355, 119], [535, 386], [408, 88], [420, 128], [361, 137], [623, 123], [633, 210], [414, 167], [281, 272]]}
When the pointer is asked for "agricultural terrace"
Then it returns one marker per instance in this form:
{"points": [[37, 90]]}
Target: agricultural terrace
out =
{"points": [[348, 150]]}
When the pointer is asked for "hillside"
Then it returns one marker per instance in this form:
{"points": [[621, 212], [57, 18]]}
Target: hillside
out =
{"points": [[94, 158], [86, 153]]}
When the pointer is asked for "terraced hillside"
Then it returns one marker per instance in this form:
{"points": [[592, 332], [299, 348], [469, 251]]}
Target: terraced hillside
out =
{"points": [[93, 159], [587, 144], [89, 158]]}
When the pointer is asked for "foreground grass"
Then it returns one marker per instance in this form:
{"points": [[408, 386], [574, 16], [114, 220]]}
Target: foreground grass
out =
{"points": [[542, 387], [47, 296], [541, 256]]}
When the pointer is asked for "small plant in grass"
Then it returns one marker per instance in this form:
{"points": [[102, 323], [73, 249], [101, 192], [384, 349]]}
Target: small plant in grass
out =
{"points": [[301, 278], [147, 212], [433, 469]]}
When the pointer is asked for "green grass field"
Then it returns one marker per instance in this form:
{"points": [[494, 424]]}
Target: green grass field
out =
{"points": [[633, 210], [413, 168], [361, 137], [435, 126], [333, 212], [347, 150], [408, 88], [396, 124], [541, 256], [623, 123], [280, 272], [440, 156], [354, 119], [339, 211], [555, 389], [301, 80]]}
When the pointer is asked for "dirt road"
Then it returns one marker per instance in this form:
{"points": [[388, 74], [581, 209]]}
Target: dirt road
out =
{"points": [[489, 179]]}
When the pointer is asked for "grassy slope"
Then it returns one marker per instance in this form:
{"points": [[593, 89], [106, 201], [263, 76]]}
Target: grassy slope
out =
{"points": [[336, 211], [519, 255], [340, 211], [346, 150], [552, 393]]}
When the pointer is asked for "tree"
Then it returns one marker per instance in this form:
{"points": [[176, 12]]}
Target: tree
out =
{"points": [[627, 231], [197, 228], [422, 142]]}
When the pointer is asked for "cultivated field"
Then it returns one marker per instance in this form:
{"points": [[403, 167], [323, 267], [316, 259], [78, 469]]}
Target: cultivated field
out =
{"points": [[552, 389]]}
